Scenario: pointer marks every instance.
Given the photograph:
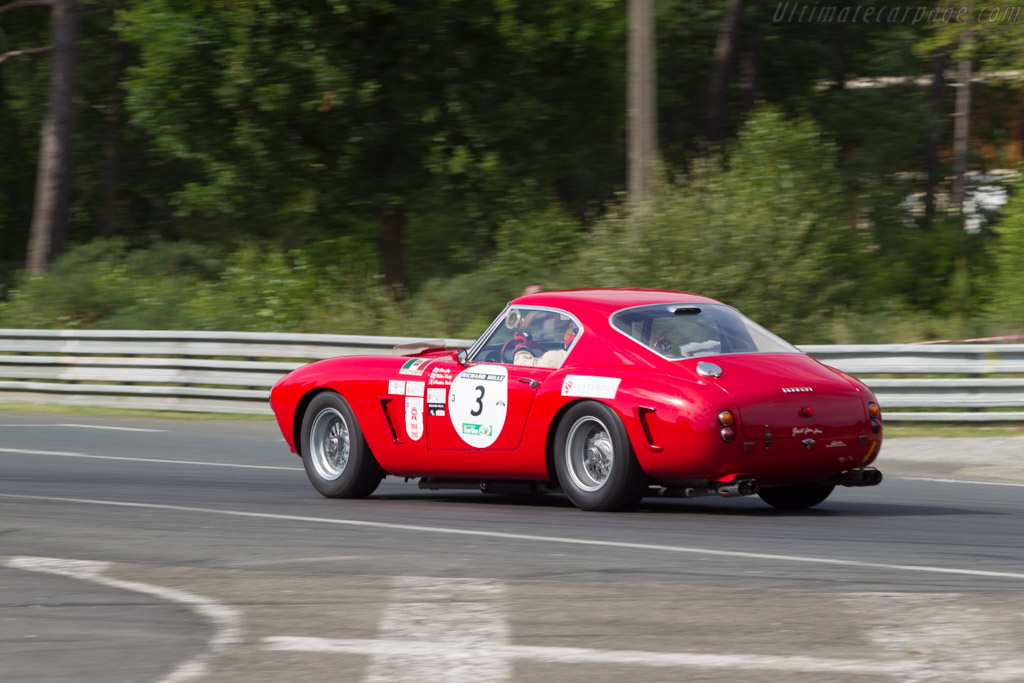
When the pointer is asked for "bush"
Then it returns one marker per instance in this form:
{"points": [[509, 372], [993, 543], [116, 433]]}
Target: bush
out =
{"points": [[764, 229]]}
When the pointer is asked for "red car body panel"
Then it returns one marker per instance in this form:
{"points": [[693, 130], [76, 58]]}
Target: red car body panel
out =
{"points": [[797, 420]]}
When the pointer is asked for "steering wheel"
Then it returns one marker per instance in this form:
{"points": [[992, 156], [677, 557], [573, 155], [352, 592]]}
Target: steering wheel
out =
{"points": [[508, 349], [663, 346]]}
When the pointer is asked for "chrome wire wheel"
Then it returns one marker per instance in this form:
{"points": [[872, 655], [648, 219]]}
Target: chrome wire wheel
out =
{"points": [[589, 453], [329, 444]]}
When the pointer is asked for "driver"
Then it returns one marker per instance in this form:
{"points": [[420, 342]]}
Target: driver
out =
{"points": [[524, 350]]}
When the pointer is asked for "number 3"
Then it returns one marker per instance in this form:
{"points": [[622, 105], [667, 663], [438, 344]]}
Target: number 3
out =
{"points": [[479, 402]]}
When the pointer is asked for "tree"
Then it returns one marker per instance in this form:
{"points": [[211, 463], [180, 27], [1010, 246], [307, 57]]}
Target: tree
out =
{"points": [[302, 118], [725, 46], [53, 181]]}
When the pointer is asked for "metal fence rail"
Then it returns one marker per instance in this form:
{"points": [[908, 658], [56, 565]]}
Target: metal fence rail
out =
{"points": [[232, 372]]}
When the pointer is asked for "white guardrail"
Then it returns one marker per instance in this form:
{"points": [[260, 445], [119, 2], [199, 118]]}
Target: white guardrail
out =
{"points": [[232, 372]]}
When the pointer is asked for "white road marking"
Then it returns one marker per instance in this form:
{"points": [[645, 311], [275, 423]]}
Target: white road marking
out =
{"points": [[429, 649], [563, 540], [963, 481], [922, 637], [948, 638], [118, 429], [459, 621], [302, 560], [67, 454], [225, 620]]}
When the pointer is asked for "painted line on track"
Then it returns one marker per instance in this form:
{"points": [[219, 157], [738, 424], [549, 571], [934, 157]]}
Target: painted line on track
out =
{"points": [[562, 540], [226, 620], [428, 651], [938, 480], [79, 426], [162, 461]]}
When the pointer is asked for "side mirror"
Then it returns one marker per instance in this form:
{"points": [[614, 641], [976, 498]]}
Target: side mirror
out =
{"points": [[462, 356]]}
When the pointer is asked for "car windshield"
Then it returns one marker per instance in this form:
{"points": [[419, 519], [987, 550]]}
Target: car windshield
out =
{"points": [[690, 330]]}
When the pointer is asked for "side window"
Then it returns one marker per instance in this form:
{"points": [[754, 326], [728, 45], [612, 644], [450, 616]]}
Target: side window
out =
{"points": [[490, 352], [545, 329]]}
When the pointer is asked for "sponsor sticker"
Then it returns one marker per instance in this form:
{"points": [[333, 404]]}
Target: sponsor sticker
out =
{"points": [[435, 402], [414, 388], [415, 366], [476, 430], [836, 444], [478, 404], [414, 417], [590, 386], [440, 375], [396, 386]]}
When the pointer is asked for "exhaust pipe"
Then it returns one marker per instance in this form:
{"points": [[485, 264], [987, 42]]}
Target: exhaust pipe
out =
{"points": [[739, 487], [747, 486], [867, 476]]}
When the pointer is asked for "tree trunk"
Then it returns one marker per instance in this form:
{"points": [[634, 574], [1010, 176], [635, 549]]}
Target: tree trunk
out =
{"points": [[750, 62], [112, 146], [724, 48], [392, 228], [936, 97], [840, 59], [642, 136], [53, 179], [961, 135]]}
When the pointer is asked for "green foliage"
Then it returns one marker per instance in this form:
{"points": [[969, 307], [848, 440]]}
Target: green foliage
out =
{"points": [[765, 230], [103, 285], [274, 133], [1007, 295], [303, 119], [764, 227]]}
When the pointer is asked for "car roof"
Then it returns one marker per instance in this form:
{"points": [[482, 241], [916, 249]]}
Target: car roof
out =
{"points": [[607, 301]]}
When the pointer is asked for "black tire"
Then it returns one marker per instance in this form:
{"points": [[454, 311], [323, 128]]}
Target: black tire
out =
{"points": [[796, 497], [594, 460], [335, 455]]}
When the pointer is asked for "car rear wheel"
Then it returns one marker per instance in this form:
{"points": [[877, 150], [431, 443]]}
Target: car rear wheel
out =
{"points": [[337, 459], [796, 497], [594, 460]]}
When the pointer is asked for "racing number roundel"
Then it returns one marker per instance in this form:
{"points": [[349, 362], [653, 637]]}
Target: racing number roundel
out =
{"points": [[478, 404]]}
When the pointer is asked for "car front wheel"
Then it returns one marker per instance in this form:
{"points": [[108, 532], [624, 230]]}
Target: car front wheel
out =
{"points": [[796, 497], [335, 455], [594, 460]]}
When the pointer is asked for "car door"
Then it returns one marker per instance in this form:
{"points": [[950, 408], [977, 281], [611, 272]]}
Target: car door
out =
{"points": [[479, 405], [478, 410]]}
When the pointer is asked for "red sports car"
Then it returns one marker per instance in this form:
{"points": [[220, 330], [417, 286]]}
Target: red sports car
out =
{"points": [[606, 395]]}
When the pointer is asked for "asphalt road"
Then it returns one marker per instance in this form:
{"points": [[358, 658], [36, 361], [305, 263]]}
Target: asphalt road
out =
{"points": [[149, 550]]}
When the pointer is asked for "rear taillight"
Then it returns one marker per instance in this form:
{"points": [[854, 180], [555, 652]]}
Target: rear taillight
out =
{"points": [[875, 413], [728, 421]]}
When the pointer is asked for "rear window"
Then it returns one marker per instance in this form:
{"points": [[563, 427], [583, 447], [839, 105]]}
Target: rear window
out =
{"points": [[691, 330]]}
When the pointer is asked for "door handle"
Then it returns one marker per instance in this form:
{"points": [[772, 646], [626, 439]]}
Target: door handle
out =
{"points": [[532, 382]]}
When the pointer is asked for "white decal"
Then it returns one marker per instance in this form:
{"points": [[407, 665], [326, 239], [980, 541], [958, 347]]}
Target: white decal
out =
{"points": [[414, 417], [435, 402], [590, 387], [396, 386], [414, 388], [836, 444], [440, 375], [478, 404], [797, 431], [416, 366]]}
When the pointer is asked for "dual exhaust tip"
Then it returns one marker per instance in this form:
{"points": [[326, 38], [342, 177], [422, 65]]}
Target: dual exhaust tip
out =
{"points": [[748, 486]]}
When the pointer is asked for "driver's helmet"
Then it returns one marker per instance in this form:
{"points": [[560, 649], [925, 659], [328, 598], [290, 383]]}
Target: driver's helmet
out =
{"points": [[571, 331]]}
